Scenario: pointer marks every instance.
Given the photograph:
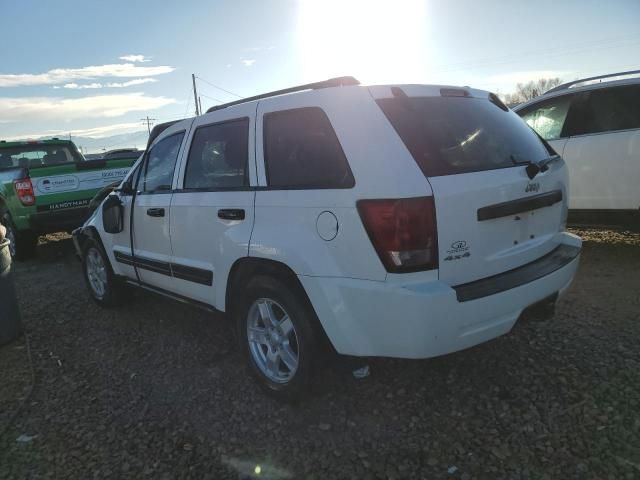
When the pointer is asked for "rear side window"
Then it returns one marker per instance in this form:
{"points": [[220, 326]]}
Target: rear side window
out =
{"points": [[548, 117], [450, 135], [158, 171], [605, 110], [218, 156], [302, 150]]}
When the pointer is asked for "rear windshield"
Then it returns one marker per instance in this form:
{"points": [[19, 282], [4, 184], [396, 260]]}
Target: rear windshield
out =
{"points": [[30, 156], [449, 135]]}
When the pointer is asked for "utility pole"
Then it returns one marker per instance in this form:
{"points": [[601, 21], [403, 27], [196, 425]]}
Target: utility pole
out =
{"points": [[195, 93], [149, 122], [200, 104]]}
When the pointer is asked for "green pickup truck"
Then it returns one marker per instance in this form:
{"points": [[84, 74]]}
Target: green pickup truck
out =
{"points": [[46, 186]]}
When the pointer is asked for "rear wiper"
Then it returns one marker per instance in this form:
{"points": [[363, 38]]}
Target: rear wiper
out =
{"points": [[533, 168]]}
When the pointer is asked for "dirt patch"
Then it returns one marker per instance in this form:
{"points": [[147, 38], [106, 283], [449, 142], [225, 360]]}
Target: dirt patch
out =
{"points": [[156, 390]]}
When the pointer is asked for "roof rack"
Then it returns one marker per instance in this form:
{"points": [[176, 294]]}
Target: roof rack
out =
{"points": [[565, 86], [332, 82]]}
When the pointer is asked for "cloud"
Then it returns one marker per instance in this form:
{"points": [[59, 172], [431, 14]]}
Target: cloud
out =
{"points": [[99, 106], [94, 85], [135, 58], [66, 75], [248, 62], [95, 132]]}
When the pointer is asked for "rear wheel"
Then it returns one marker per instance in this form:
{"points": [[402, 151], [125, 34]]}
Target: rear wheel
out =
{"points": [[23, 244], [277, 336], [104, 287]]}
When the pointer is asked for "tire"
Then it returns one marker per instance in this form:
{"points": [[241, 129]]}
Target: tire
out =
{"points": [[290, 347], [23, 244], [104, 287]]}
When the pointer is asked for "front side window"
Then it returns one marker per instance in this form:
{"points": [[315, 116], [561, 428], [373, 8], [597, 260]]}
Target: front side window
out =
{"points": [[158, 172], [605, 110], [218, 156], [548, 117], [302, 150]]}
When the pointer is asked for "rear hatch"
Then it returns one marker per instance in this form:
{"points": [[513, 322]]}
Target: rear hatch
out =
{"points": [[491, 217]]}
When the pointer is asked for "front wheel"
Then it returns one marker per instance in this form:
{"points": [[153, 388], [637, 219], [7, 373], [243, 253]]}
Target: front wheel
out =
{"points": [[104, 287], [278, 338]]}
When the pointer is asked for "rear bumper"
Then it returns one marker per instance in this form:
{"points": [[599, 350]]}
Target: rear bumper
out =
{"points": [[421, 320], [67, 219]]}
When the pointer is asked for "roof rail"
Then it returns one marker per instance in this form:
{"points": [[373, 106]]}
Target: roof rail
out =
{"points": [[565, 86], [332, 82]]}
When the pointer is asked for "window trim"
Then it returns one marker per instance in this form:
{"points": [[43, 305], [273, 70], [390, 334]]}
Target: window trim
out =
{"points": [[246, 188], [265, 160], [145, 164]]}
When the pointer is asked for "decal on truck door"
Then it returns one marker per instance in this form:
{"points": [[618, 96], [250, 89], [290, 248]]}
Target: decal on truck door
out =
{"points": [[79, 181]]}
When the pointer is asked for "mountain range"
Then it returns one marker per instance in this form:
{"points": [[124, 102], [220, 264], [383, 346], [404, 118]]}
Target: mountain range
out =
{"points": [[102, 144]]}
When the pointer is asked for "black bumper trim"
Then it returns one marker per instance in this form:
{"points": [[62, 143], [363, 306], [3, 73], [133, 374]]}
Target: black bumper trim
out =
{"points": [[554, 260], [57, 221]]}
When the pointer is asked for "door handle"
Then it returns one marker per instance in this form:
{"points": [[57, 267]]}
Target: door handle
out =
{"points": [[155, 212], [231, 214]]}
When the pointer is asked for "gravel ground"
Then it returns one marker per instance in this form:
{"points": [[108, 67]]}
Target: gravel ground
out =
{"points": [[156, 390]]}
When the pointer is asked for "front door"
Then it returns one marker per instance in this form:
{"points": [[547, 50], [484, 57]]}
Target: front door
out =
{"points": [[151, 212]]}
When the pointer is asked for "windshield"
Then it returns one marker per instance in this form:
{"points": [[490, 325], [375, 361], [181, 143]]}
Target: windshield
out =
{"points": [[30, 156], [449, 135]]}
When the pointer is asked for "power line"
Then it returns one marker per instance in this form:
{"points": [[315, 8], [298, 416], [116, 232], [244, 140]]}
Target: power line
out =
{"points": [[212, 98], [219, 88], [506, 60]]}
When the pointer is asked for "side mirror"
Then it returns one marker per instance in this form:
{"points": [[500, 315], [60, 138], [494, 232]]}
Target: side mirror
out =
{"points": [[112, 215]]}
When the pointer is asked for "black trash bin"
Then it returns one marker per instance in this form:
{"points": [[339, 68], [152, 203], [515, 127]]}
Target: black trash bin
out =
{"points": [[10, 323]]}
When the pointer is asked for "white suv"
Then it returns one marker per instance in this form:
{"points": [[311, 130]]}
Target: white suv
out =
{"points": [[402, 221], [594, 123]]}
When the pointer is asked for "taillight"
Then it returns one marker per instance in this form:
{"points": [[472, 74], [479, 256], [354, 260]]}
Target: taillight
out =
{"points": [[403, 232], [24, 190]]}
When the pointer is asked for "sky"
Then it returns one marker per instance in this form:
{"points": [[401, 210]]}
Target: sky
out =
{"points": [[96, 68]]}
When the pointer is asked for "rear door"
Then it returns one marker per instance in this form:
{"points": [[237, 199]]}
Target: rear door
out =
{"points": [[490, 216], [603, 149], [212, 209]]}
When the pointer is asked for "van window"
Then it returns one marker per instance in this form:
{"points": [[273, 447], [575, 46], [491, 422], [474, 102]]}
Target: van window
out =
{"points": [[158, 172], [548, 117], [450, 135], [301, 150], [218, 156], [605, 110]]}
